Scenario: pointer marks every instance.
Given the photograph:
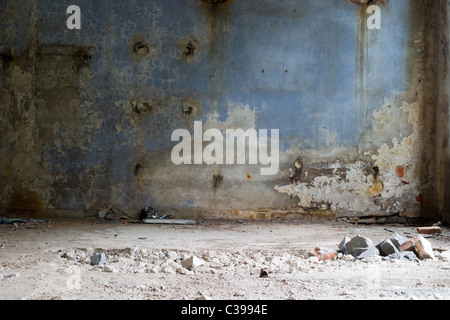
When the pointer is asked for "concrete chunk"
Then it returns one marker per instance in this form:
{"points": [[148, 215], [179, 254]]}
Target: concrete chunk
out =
{"points": [[361, 247], [98, 259], [387, 247], [192, 263], [342, 246]]}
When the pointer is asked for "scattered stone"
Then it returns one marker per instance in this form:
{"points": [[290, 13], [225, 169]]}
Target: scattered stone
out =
{"points": [[110, 269], [387, 247], [423, 248], [348, 257], [192, 263], [429, 230], [201, 296], [9, 275], [181, 271], [167, 269], [98, 259], [264, 273], [67, 256], [324, 254], [406, 255], [342, 246], [361, 247], [239, 294]]}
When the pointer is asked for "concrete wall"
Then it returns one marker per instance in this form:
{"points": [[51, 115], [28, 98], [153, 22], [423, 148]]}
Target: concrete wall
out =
{"points": [[87, 115], [443, 113]]}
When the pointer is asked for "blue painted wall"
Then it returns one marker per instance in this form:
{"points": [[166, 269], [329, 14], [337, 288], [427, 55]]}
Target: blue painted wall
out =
{"points": [[309, 68]]}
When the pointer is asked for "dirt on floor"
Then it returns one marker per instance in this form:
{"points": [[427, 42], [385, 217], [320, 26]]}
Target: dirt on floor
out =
{"points": [[51, 260]]}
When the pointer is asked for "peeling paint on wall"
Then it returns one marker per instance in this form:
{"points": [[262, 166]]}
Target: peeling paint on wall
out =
{"points": [[355, 189]]}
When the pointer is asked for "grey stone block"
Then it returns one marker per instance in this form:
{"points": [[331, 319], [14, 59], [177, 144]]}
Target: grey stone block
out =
{"points": [[387, 247], [342, 246], [361, 247], [98, 259]]}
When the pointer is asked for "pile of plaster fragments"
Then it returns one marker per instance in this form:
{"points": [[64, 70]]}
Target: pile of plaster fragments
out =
{"points": [[140, 260]]}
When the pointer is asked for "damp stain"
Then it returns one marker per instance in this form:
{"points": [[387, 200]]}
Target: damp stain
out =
{"points": [[216, 13], [24, 203]]}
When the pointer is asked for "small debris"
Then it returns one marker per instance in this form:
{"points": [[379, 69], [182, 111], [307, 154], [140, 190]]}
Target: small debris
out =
{"points": [[387, 247], [359, 247], [192, 263], [324, 254], [110, 269], [202, 296], [114, 214], [148, 213], [67, 256], [264, 273], [98, 259], [423, 248]]}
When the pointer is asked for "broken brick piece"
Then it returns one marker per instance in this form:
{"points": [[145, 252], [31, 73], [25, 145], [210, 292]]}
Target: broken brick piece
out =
{"points": [[323, 254], [400, 172], [407, 246], [429, 230], [423, 248]]}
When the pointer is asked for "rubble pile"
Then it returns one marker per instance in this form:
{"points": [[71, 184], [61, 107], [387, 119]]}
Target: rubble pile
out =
{"points": [[394, 247], [358, 248]]}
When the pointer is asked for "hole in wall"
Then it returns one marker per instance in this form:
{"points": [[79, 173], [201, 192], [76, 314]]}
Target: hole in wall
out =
{"points": [[376, 172], [86, 58], [188, 110], [141, 48], [190, 49], [190, 107], [141, 107], [217, 180]]}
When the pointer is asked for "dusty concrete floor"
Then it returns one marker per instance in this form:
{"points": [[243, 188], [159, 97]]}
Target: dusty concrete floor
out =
{"points": [[51, 261]]}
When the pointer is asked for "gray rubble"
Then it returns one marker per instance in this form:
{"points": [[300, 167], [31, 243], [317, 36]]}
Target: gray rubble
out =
{"points": [[98, 259], [359, 247]]}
